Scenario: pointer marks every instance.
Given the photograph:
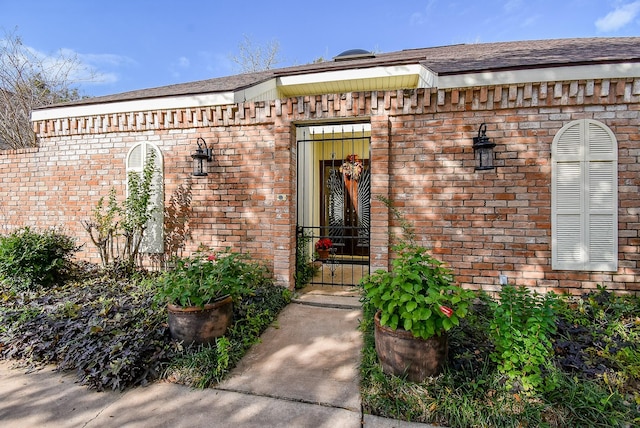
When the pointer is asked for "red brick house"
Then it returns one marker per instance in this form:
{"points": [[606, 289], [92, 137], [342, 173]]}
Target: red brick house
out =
{"points": [[305, 150]]}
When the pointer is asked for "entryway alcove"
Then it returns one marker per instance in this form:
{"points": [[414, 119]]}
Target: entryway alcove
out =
{"points": [[334, 193]]}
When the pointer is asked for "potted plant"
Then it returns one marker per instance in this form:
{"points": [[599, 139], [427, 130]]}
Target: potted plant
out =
{"points": [[199, 291], [417, 303], [323, 246]]}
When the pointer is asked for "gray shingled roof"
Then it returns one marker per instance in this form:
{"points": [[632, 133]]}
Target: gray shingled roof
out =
{"points": [[444, 60]]}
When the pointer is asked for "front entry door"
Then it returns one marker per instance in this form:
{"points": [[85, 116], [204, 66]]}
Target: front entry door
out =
{"points": [[344, 203]]}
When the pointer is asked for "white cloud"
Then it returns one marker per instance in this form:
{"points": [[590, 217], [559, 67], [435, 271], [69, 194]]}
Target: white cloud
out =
{"points": [[177, 67], [92, 68], [183, 62], [416, 18], [419, 18], [216, 64], [513, 5], [620, 17], [106, 59], [96, 69], [96, 77], [66, 65], [531, 21]]}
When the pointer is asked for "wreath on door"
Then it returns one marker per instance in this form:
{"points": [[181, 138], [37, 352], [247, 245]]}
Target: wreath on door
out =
{"points": [[352, 167]]}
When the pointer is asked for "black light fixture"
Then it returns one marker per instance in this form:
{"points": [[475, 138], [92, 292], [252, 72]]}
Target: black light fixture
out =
{"points": [[202, 153], [483, 149]]}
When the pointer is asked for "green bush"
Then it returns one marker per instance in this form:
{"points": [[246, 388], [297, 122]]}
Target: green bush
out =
{"points": [[522, 328], [418, 294], [304, 266], [29, 258]]}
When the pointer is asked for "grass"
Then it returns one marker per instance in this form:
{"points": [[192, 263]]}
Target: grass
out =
{"points": [[593, 380]]}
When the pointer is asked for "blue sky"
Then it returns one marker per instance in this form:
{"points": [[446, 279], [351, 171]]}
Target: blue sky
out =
{"points": [[136, 44]]}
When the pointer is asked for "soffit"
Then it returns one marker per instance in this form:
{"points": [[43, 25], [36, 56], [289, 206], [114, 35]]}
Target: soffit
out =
{"points": [[358, 80]]}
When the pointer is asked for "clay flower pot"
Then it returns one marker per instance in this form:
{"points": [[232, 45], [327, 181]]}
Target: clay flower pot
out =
{"points": [[401, 353], [323, 254], [200, 325]]}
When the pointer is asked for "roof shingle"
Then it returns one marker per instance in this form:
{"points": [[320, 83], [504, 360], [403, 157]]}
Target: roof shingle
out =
{"points": [[444, 60]]}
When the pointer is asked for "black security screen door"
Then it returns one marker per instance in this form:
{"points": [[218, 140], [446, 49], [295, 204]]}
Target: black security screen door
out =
{"points": [[334, 201]]}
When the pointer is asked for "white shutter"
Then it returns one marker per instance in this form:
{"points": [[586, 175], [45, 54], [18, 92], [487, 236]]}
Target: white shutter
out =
{"points": [[602, 203], [584, 198], [569, 147], [568, 197]]}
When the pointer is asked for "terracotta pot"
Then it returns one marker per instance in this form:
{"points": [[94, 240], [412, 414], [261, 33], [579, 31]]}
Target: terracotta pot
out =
{"points": [[323, 254], [200, 325], [401, 353]]}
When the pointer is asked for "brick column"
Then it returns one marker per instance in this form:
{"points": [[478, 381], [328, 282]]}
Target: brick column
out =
{"points": [[380, 186], [284, 223]]}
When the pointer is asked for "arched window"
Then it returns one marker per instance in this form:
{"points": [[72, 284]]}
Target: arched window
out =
{"points": [[584, 202], [137, 159]]}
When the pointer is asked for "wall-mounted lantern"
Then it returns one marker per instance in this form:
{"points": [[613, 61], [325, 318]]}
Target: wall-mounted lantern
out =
{"points": [[483, 149], [202, 154]]}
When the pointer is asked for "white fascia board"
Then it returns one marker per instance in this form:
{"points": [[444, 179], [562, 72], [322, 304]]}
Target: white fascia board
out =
{"points": [[151, 104], [551, 74], [260, 92], [428, 78], [353, 74]]}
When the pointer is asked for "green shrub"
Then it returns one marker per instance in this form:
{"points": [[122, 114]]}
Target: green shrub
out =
{"points": [[30, 258], [418, 294], [304, 266], [522, 328], [129, 220]]}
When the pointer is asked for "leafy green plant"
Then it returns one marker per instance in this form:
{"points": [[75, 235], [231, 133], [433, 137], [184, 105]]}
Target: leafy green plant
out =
{"points": [[30, 258], [304, 267], [418, 293], [137, 209], [103, 227], [522, 328], [207, 276]]}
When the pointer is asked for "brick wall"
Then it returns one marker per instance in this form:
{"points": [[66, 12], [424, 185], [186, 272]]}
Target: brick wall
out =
{"points": [[481, 223]]}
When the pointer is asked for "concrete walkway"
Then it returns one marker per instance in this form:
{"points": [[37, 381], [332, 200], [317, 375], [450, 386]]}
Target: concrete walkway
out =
{"points": [[304, 373]]}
